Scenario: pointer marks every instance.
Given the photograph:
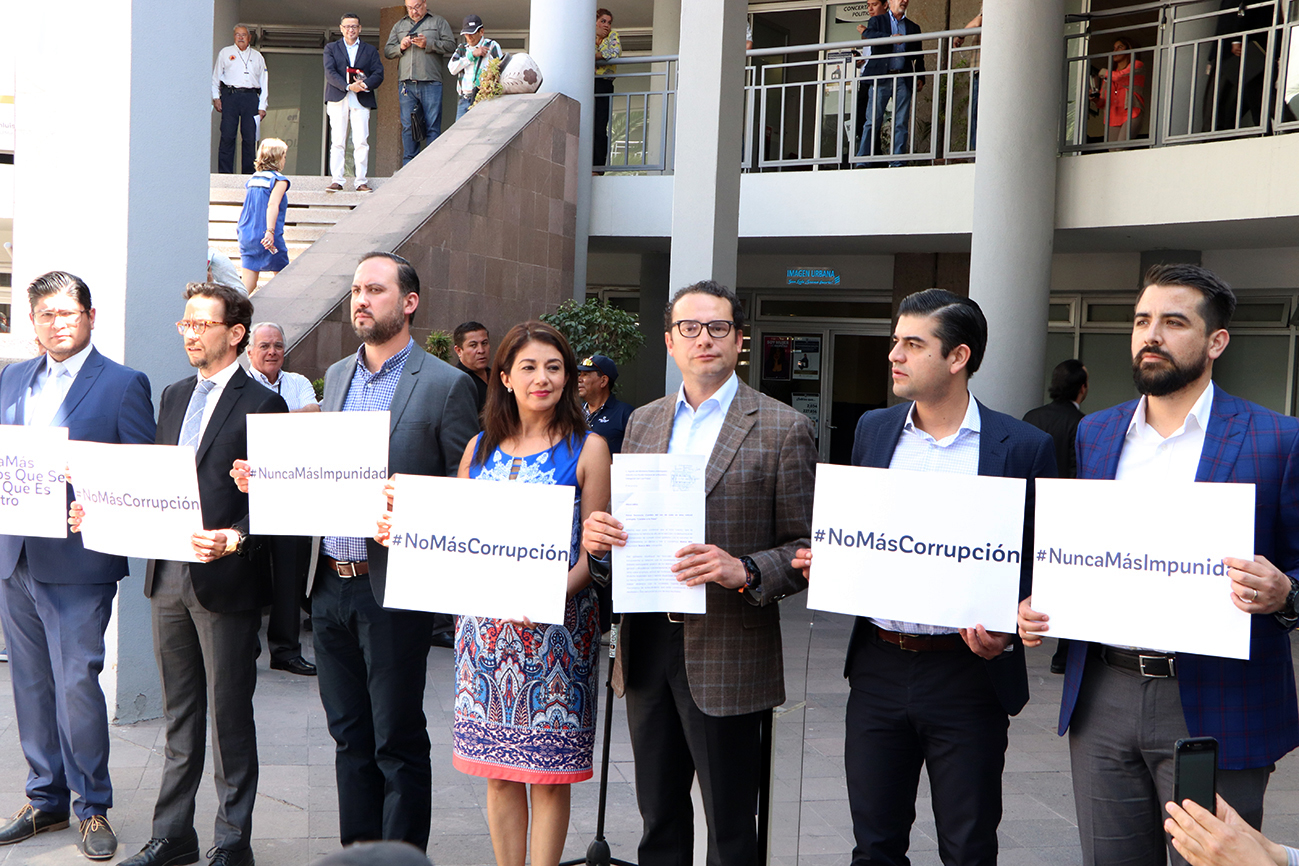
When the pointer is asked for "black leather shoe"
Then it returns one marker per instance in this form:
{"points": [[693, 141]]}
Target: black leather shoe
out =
{"points": [[167, 851], [296, 665], [98, 841], [227, 857], [27, 822], [443, 639]]}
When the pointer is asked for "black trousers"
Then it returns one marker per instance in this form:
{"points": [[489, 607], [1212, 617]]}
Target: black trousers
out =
{"points": [[372, 664], [672, 740], [603, 106], [290, 558], [937, 709], [238, 115]]}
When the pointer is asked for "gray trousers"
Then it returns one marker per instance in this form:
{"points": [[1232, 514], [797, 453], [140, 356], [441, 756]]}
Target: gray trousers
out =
{"points": [[1121, 741], [208, 663]]}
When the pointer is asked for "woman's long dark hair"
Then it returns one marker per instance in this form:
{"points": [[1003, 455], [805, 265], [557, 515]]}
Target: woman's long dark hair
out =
{"points": [[501, 414]]}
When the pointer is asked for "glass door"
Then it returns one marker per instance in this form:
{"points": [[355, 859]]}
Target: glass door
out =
{"points": [[858, 382]]}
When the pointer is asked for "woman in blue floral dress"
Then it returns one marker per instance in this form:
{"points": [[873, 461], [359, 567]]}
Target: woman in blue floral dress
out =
{"points": [[526, 693]]}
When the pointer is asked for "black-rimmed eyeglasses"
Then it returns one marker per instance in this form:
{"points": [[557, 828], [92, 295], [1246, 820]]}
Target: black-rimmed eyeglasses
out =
{"points": [[690, 329]]}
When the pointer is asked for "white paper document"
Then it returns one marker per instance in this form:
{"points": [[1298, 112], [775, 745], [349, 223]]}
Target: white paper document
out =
{"points": [[875, 553], [480, 548], [317, 473], [659, 500], [140, 500], [1117, 564], [33, 492]]}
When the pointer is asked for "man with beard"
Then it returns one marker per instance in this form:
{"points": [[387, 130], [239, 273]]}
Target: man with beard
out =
{"points": [[1125, 707], [371, 660]]}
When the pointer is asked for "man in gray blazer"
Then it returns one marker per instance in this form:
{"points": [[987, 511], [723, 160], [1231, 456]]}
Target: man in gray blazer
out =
{"points": [[699, 685], [372, 660]]}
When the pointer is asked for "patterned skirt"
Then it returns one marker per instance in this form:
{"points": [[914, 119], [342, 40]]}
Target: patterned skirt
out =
{"points": [[526, 698]]}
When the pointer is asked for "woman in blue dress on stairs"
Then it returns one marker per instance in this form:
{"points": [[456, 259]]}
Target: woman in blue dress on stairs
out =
{"points": [[261, 222]]}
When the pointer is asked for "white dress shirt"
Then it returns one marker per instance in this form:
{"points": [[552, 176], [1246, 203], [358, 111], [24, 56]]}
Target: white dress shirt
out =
{"points": [[957, 454], [695, 431], [221, 379], [237, 68], [295, 388], [1147, 456], [50, 387]]}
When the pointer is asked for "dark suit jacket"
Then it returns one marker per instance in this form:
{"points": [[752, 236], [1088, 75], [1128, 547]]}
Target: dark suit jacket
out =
{"points": [[1007, 449], [1249, 706], [1059, 419], [106, 403], [242, 581], [758, 484], [434, 415], [367, 60], [878, 63]]}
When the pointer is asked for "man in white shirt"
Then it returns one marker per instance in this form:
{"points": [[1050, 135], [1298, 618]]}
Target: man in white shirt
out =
{"points": [[266, 364], [699, 685], [239, 91], [353, 71], [1125, 707]]}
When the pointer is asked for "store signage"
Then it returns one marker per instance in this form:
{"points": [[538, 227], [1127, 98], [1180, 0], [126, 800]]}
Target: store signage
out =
{"points": [[811, 277]]}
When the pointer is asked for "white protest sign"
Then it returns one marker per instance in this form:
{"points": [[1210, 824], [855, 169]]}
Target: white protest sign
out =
{"points": [[875, 554], [1113, 565], [140, 500], [480, 548], [317, 473], [33, 492]]}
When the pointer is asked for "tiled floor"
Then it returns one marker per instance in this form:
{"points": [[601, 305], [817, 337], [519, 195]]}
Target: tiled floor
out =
{"points": [[296, 817]]}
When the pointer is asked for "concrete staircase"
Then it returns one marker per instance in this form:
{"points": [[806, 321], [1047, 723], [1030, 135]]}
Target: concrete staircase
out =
{"points": [[312, 210]]}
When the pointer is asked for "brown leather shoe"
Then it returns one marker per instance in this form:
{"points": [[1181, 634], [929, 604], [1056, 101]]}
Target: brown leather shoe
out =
{"points": [[334, 187], [363, 187], [27, 822]]}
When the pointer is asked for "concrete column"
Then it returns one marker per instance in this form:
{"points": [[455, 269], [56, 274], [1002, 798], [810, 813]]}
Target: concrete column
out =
{"points": [[654, 293], [667, 27], [225, 15], [1014, 195], [118, 196], [710, 117], [557, 30]]}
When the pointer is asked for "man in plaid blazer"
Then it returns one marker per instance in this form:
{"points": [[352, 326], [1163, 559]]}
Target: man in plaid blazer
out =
{"points": [[1125, 708], [698, 685]]}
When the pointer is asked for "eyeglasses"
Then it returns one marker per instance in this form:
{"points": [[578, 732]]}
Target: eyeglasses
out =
{"points": [[198, 326], [47, 318], [350, 26], [690, 329]]}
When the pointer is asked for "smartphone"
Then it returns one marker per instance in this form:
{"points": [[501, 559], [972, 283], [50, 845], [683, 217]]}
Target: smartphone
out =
{"points": [[1195, 771]]}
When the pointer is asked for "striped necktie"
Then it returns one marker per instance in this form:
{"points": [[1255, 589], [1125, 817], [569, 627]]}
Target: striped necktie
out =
{"points": [[189, 431]]}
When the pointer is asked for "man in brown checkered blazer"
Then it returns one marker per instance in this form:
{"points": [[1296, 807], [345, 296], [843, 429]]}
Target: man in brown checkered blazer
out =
{"points": [[698, 685]]}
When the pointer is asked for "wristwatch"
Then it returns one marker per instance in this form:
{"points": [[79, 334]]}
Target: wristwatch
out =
{"points": [[1288, 615], [752, 575]]}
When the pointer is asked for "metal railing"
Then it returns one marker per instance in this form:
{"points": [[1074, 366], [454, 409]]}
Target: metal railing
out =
{"points": [[642, 114], [1203, 74]]}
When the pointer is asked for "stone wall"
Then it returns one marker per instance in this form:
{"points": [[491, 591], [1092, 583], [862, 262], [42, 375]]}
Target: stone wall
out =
{"points": [[487, 214]]}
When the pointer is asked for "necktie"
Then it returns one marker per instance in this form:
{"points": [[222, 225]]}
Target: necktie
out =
{"points": [[45, 407], [189, 431]]}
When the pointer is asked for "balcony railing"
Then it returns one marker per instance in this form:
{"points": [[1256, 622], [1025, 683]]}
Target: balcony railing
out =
{"points": [[1176, 79]]}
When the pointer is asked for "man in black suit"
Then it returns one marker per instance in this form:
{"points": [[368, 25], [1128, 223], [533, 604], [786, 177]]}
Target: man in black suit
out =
{"points": [[353, 71], [923, 694], [206, 614], [895, 71]]}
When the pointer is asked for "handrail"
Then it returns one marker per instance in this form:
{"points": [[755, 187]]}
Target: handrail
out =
{"points": [[862, 43], [1084, 17]]}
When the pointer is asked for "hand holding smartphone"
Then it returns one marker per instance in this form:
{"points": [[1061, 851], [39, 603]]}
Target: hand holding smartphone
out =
{"points": [[1195, 771]]}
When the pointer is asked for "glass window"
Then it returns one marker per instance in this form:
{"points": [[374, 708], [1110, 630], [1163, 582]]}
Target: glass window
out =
{"points": [[1254, 368], [1109, 369]]}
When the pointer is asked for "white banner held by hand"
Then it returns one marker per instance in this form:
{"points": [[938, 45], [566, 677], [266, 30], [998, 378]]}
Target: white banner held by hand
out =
{"points": [[954, 567], [1111, 567], [140, 500], [480, 548], [33, 492], [317, 473]]}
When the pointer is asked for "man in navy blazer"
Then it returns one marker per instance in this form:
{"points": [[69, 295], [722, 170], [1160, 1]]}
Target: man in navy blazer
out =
{"points": [[922, 694], [350, 98], [890, 73], [56, 596], [1125, 708]]}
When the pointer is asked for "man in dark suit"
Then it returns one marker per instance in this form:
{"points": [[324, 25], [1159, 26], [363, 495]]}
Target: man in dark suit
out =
{"points": [[55, 596], [1124, 708], [922, 694], [372, 660], [894, 72], [353, 71], [206, 614], [698, 686]]}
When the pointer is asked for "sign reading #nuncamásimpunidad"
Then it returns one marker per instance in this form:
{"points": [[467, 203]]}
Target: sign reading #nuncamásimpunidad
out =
{"points": [[923, 547], [33, 491]]}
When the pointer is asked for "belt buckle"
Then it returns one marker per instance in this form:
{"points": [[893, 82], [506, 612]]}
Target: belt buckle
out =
{"points": [[679, 617], [902, 642], [345, 569], [1171, 671]]}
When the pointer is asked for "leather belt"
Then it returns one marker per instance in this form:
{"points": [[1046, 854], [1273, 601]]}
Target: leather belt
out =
{"points": [[1155, 665], [347, 569], [922, 643], [229, 87]]}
